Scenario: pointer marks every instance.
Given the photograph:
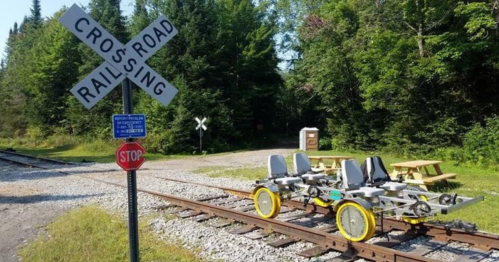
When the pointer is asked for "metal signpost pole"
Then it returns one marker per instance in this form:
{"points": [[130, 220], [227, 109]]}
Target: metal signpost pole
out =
{"points": [[123, 62], [133, 229], [200, 141]]}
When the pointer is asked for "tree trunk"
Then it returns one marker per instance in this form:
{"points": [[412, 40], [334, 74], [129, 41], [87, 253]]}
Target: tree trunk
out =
{"points": [[420, 40]]}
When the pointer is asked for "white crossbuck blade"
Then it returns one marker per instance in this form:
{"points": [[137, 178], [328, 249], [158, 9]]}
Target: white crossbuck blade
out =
{"points": [[200, 123], [121, 61]]}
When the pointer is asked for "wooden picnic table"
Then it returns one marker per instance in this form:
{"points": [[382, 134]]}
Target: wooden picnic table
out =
{"points": [[335, 162], [416, 172]]}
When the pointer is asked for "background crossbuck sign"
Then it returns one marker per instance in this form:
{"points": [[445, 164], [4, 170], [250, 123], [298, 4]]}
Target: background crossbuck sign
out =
{"points": [[200, 123], [121, 61]]}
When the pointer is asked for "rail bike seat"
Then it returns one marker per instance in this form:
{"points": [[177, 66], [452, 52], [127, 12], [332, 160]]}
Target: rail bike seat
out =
{"points": [[278, 171], [303, 168], [377, 175], [353, 180]]}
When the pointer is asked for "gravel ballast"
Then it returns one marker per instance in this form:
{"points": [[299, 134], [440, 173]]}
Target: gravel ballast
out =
{"points": [[32, 198]]}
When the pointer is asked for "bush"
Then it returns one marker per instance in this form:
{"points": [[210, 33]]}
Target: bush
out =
{"points": [[325, 143], [479, 147]]}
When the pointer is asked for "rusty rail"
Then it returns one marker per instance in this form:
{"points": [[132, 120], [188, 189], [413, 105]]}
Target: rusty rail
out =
{"points": [[329, 241], [484, 241]]}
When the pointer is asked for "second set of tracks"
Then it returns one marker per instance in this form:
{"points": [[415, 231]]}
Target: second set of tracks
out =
{"points": [[237, 206]]}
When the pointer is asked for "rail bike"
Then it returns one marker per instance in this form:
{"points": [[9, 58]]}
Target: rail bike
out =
{"points": [[355, 196]]}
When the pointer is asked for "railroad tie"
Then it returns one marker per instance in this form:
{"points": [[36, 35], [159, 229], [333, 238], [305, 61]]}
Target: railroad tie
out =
{"points": [[192, 213], [243, 230], [257, 235], [204, 217], [394, 240], [282, 242], [313, 252], [222, 223], [427, 247]]}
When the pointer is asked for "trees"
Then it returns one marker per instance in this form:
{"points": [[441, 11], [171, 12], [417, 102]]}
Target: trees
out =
{"points": [[406, 75], [36, 14], [224, 61], [47, 88]]}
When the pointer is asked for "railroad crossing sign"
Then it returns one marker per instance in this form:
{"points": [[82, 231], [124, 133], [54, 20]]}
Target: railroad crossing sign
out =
{"points": [[200, 123], [129, 156], [122, 61], [122, 64], [200, 127]]}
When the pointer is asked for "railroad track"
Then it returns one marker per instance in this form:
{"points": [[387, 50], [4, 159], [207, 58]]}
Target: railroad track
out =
{"points": [[316, 225], [32, 161]]}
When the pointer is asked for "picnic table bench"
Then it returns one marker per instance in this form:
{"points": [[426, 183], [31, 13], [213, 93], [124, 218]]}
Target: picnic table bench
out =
{"points": [[416, 172], [334, 162]]}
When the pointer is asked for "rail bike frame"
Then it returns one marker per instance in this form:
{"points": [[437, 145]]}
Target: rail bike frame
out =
{"points": [[412, 206]]}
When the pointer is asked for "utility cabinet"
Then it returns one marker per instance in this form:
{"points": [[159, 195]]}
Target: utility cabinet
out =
{"points": [[309, 139]]}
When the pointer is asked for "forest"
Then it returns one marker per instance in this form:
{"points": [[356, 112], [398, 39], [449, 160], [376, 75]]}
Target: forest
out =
{"points": [[411, 77]]}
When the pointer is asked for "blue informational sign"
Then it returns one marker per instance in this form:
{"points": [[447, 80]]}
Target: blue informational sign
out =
{"points": [[129, 126]]}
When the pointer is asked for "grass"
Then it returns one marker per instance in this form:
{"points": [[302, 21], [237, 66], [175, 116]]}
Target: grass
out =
{"points": [[248, 173], [100, 151], [91, 234]]}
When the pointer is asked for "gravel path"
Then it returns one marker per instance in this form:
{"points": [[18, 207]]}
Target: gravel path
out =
{"points": [[30, 199]]}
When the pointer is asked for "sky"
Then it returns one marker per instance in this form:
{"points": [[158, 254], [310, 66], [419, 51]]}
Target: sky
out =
{"points": [[14, 11]]}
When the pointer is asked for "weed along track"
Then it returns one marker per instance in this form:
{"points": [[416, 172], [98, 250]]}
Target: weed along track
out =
{"points": [[233, 211]]}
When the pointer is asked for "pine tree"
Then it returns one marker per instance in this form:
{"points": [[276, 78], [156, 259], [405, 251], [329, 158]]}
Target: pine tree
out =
{"points": [[36, 14], [140, 18], [15, 30], [249, 64], [52, 75]]}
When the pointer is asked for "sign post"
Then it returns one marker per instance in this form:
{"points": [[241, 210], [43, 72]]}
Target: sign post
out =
{"points": [[200, 127], [122, 64]]}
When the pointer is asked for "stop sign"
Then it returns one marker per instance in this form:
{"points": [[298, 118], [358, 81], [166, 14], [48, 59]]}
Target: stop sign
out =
{"points": [[129, 156]]}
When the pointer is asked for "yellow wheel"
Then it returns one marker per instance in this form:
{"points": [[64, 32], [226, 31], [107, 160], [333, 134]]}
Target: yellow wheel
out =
{"points": [[322, 203], [355, 222], [373, 223], [278, 205], [267, 203]]}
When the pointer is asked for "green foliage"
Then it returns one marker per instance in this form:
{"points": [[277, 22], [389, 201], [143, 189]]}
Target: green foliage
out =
{"points": [[480, 143], [408, 76], [325, 143]]}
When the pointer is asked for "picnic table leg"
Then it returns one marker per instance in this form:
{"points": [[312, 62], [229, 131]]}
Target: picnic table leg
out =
{"points": [[321, 164], [395, 173], [418, 176], [439, 172], [334, 164]]}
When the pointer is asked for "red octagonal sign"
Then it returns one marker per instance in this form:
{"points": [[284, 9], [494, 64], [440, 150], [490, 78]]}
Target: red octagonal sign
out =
{"points": [[130, 156]]}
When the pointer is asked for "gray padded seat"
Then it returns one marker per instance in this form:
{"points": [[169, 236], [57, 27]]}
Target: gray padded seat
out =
{"points": [[353, 180], [278, 171], [304, 168], [377, 174]]}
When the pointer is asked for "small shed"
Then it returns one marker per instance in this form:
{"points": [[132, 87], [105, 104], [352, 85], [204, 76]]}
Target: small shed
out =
{"points": [[309, 139]]}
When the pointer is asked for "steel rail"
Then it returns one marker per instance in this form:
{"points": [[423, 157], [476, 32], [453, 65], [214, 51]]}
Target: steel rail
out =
{"points": [[19, 163], [55, 161], [329, 241], [482, 240]]}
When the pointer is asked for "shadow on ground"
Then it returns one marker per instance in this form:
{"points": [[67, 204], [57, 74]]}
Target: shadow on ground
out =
{"points": [[40, 198]]}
